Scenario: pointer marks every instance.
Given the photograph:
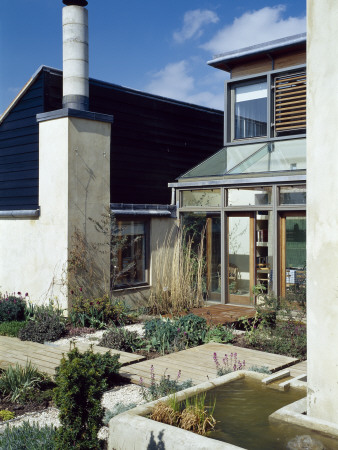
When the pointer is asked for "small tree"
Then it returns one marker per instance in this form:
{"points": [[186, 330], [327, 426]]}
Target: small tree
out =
{"points": [[81, 380]]}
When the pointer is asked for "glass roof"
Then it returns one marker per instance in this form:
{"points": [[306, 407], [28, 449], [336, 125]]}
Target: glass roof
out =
{"points": [[253, 158]]}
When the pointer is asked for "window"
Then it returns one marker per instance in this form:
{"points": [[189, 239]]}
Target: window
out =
{"points": [[250, 110], [131, 260]]}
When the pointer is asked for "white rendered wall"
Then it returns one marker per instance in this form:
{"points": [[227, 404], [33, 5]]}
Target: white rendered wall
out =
{"points": [[322, 208], [74, 174]]}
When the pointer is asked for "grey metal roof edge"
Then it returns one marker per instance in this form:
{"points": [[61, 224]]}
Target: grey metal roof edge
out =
{"points": [[258, 48], [130, 209], [79, 114], [140, 212], [240, 181], [20, 214], [21, 93]]}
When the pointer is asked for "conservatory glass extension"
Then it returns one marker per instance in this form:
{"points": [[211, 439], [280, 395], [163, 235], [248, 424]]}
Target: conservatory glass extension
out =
{"points": [[250, 202]]}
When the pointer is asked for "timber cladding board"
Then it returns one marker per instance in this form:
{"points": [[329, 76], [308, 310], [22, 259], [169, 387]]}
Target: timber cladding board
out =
{"points": [[19, 147], [259, 65]]}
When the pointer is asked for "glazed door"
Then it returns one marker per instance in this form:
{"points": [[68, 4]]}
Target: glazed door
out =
{"points": [[240, 256], [292, 252], [213, 257]]}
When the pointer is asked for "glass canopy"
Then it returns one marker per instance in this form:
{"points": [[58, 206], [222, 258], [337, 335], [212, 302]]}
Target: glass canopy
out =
{"points": [[260, 157]]}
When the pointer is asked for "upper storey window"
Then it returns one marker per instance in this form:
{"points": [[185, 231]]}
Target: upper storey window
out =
{"points": [[250, 110]]}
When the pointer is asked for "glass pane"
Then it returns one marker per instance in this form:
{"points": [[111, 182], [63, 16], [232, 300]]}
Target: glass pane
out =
{"points": [[292, 195], [195, 224], [249, 196], [251, 110], [131, 258], [295, 254], [264, 252], [274, 157], [215, 165], [239, 260], [202, 197]]}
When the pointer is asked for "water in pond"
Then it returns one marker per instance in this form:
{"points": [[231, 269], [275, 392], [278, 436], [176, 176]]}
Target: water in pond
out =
{"points": [[242, 410]]}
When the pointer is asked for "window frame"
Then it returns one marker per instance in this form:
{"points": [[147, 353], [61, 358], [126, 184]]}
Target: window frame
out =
{"points": [[229, 116], [120, 220]]}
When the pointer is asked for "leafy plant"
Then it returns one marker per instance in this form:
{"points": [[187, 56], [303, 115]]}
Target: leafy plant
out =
{"points": [[166, 335], [120, 339], [229, 364], [12, 307], [81, 381], [47, 325], [99, 312], [260, 369], [6, 415], [164, 387], [11, 328], [28, 437], [219, 334], [18, 383], [119, 408]]}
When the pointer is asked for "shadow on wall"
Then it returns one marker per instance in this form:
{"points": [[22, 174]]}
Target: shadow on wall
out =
{"points": [[153, 445]]}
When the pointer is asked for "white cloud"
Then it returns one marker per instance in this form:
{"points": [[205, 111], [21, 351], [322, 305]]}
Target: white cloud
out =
{"points": [[175, 81], [172, 81], [255, 27], [193, 23]]}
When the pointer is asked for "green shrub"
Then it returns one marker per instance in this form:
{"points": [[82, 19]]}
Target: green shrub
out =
{"points": [[120, 339], [12, 308], [260, 369], [6, 415], [18, 383], [219, 334], [28, 437], [47, 325], [99, 312], [168, 335], [81, 381], [11, 328], [166, 386]]}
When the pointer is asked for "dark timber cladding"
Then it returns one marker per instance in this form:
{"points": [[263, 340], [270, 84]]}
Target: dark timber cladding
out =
{"points": [[19, 157], [154, 140]]}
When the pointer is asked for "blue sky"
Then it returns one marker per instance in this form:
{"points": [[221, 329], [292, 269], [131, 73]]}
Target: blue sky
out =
{"points": [[154, 46]]}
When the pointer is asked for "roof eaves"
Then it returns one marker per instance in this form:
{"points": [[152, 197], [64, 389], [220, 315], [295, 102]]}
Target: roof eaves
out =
{"points": [[258, 48]]}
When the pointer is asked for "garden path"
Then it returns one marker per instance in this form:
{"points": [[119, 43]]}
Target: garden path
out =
{"points": [[217, 314], [198, 365], [47, 357]]}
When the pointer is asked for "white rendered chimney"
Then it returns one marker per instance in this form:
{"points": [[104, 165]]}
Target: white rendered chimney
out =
{"points": [[75, 55]]}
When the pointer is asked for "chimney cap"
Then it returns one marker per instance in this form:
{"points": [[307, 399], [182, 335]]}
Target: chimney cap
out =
{"points": [[75, 2]]}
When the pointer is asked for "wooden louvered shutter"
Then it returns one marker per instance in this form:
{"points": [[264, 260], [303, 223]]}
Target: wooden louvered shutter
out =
{"points": [[290, 102]]}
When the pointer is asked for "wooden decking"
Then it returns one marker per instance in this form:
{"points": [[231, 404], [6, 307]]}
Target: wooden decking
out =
{"points": [[223, 314], [198, 365], [47, 357]]}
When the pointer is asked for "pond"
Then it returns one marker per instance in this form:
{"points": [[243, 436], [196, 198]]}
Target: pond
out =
{"points": [[242, 411]]}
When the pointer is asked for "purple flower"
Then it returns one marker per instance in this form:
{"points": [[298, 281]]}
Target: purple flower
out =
{"points": [[72, 292], [26, 295], [19, 293], [80, 289]]}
